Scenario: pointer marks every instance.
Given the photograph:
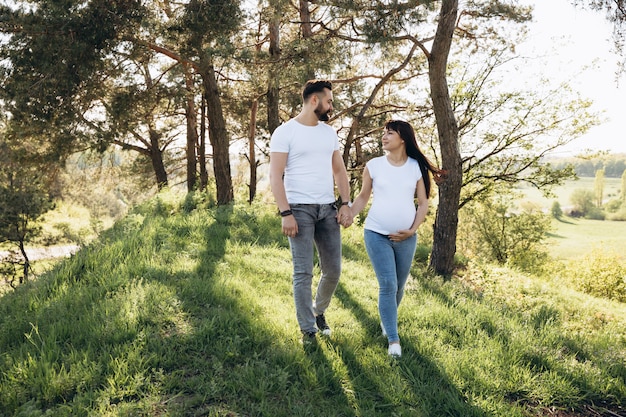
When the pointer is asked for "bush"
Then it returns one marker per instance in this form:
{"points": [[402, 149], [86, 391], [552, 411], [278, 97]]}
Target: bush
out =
{"points": [[618, 216], [494, 233], [582, 200], [557, 211], [613, 206], [595, 214], [600, 274]]}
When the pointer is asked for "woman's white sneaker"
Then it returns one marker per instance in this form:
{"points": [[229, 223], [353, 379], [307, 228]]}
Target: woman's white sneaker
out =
{"points": [[394, 350]]}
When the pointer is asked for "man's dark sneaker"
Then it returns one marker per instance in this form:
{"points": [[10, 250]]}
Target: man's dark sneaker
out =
{"points": [[322, 325], [309, 338]]}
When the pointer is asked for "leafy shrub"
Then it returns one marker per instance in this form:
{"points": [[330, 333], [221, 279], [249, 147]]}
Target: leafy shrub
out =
{"points": [[612, 206], [556, 210], [582, 200], [494, 233], [600, 274], [595, 213], [618, 216]]}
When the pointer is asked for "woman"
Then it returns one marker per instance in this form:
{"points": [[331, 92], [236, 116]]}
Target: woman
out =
{"points": [[392, 221]]}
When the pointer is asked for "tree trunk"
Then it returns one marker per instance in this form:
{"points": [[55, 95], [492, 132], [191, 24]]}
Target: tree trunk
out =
{"points": [[26, 266], [251, 151], [273, 88], [307, 33], [156, 158], [192, 133], [447, 218], [217, 136], [204, 175]]}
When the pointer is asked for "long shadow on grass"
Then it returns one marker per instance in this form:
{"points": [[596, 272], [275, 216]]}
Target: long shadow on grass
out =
{"points": [[232, 363], [125, 328], [431, 392]]}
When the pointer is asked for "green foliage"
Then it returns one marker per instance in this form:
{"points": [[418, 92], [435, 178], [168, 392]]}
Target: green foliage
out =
{"points": [[612, 206], [24, 199], [623, 189], [595, 213], [614, 166], [619, 215], [556, 210], [583, 202], [599, 187], [601, 274], [496, 234]]}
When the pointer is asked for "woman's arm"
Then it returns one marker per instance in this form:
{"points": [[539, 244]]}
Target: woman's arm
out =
{"points": [[361, 200]]}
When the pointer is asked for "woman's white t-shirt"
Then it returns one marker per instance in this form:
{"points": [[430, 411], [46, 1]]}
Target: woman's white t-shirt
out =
{"points": [[309, 171], [393, 187]]}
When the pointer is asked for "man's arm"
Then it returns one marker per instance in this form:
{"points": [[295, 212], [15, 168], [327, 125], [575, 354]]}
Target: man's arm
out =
{"points": [[341, 176], [344, 217], [278, 162]]}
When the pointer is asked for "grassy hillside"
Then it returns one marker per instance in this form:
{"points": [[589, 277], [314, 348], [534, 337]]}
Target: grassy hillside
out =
{"points": [[184, 310]]}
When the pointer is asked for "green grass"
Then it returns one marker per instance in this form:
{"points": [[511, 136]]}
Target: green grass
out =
{"points": [[177, 311], [572, 238]]}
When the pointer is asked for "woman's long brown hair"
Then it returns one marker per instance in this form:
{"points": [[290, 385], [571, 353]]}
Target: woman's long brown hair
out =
{"points": [[406, 132]]}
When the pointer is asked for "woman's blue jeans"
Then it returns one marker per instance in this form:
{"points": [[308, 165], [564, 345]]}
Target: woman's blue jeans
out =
{"points": [[392, 265], [317, 229]]}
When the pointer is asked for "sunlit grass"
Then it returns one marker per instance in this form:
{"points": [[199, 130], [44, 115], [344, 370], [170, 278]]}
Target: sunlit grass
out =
{"points": [[574, 238], [183, 309]]}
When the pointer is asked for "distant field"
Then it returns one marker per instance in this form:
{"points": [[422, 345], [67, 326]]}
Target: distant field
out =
{"points": [[574, 238], [563, 193]]}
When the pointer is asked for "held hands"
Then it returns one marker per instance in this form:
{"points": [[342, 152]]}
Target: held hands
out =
{"points": [[344, 216], [400, 235]]}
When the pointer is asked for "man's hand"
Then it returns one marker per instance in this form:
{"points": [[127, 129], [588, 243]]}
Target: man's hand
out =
{"points": [[290, 226], [344, 217]]}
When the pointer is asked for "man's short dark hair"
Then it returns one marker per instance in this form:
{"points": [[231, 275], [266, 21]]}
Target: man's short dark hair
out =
{"points": [[315, 86]]}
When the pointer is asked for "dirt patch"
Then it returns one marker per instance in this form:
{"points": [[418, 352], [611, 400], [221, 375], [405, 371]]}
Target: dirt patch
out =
{"points": [[47, 252]]}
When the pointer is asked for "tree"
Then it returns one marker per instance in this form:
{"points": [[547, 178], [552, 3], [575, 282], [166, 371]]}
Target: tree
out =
{"points": [[599, 188], [141, 110], [69, 80], [623, 189], [24, 198], [583, 201], [503, 129], [615, 12], [446, 221], [499, 234], [393, 33], [54, 67], [556, 210]]}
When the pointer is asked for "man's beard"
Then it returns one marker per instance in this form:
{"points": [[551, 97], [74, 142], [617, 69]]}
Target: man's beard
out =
{"points": [[323, 117]]}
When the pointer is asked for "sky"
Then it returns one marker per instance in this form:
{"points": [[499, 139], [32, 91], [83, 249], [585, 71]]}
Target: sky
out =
{"points": [[578, 46]]}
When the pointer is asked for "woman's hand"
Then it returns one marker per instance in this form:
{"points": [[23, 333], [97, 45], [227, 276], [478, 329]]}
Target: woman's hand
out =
{"points": [[344, 217], [401, 235]]}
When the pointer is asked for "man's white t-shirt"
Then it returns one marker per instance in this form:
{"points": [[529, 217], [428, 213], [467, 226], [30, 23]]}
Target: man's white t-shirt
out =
{"points": [[309, 171], [393, 188]]}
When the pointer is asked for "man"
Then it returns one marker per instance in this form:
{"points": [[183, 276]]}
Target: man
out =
{"points": [[304, 160]]}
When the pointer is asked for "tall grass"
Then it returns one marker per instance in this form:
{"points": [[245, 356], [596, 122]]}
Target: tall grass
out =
{"points": [[183, 309]]}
